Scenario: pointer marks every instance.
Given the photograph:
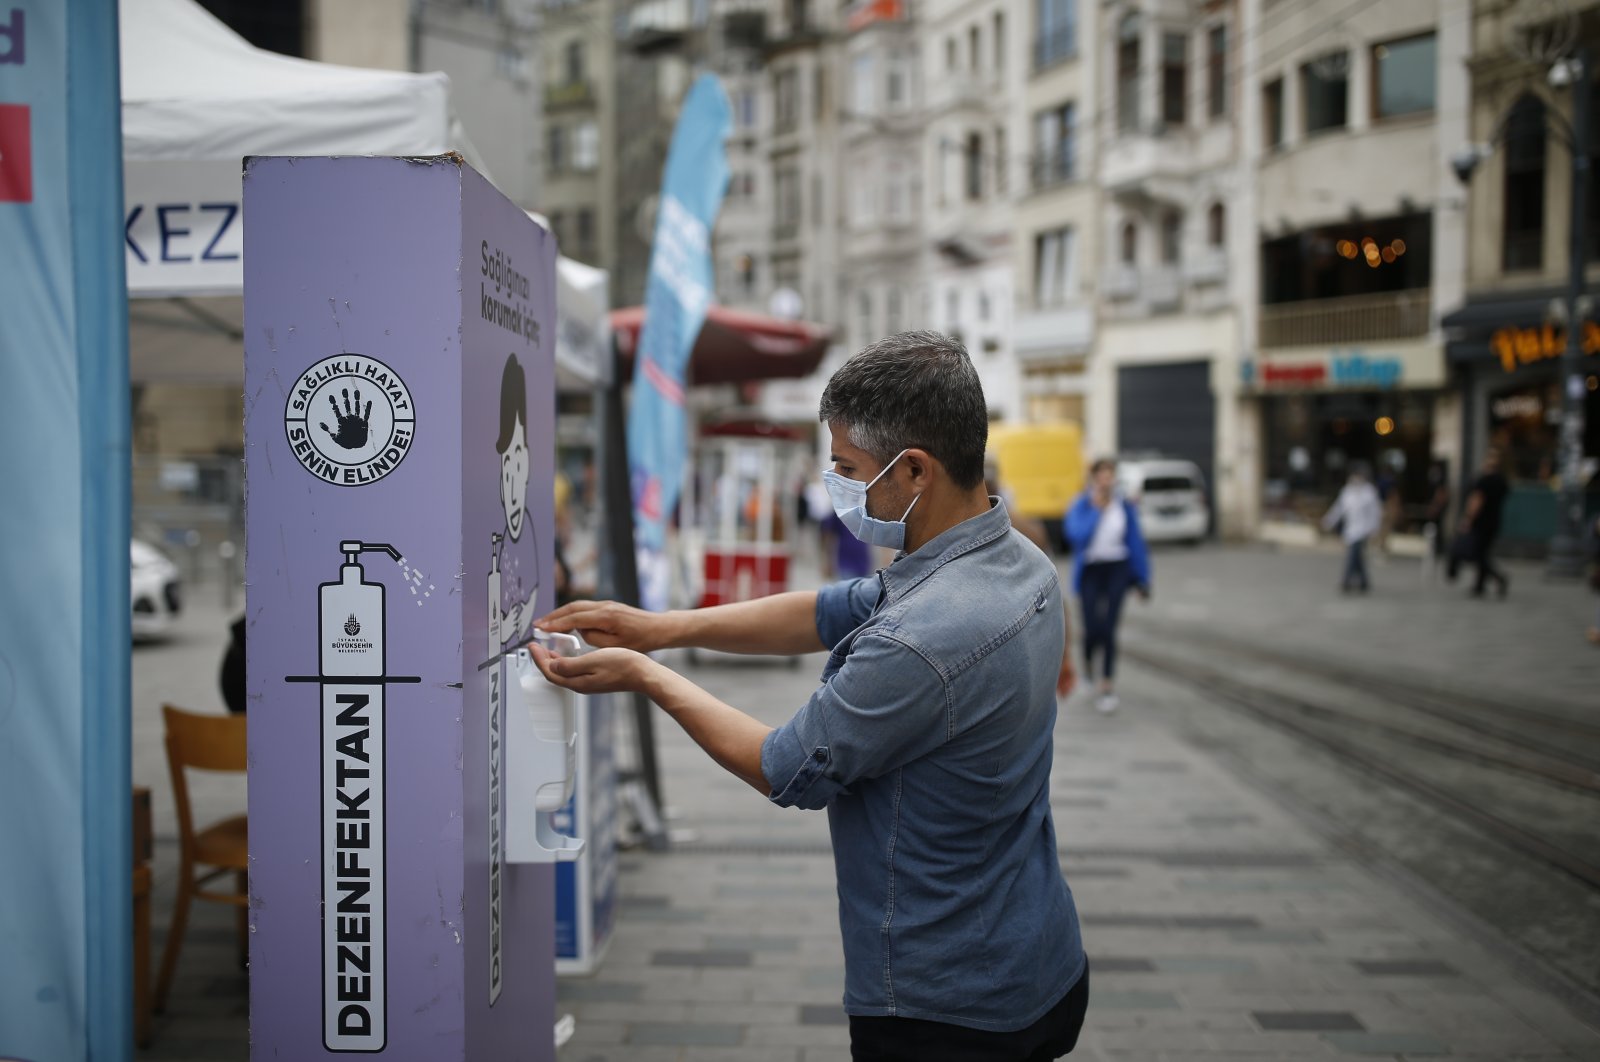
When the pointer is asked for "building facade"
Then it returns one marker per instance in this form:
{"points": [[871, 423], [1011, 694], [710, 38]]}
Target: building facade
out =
{"points": [[1164, 376], [1507, 330], [1360, 239]]}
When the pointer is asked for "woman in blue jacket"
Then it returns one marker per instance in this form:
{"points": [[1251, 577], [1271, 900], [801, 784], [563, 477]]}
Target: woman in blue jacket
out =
{"points": [[1109, 558]]}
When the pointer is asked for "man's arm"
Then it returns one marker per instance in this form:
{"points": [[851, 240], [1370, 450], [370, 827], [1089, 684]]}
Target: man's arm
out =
{"points": [[783, 624], [729, 736]]}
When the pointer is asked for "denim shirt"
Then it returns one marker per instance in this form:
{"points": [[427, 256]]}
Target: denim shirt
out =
{"points": [[930, 744]]}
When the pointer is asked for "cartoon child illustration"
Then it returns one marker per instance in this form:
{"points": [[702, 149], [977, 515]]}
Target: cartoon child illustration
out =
{"points": [[516, 564]]}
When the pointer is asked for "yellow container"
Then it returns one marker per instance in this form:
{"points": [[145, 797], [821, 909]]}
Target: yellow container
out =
{"points": [[1041, 465]]}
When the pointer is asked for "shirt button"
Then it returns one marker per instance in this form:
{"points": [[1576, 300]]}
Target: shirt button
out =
{"points": [[819, 755], [1038, 603]]}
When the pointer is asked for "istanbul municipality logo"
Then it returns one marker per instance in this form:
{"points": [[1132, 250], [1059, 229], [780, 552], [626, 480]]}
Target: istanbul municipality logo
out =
{"points": [[350, 420]]}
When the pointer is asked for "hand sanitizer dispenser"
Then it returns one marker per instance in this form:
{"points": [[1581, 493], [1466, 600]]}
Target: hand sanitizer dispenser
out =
{"points": [[541, 757]]}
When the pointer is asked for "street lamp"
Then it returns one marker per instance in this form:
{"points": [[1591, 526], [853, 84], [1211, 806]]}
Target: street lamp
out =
{"points": [[1566, 548]]}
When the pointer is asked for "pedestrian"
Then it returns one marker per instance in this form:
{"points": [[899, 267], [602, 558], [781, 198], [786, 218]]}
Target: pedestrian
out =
{"points": [[1594, 578], [844, 556], [1109, 558], [1480, 526], [1433, 523], [929, 741], [1356, 514]]}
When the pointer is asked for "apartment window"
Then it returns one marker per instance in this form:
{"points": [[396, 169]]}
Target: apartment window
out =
{"points": [[586, 147], [745, 269], [1055, 145], [818, 214], [1217, 225], [1325, 84], [1171, 237], [573, 62], [1128, 74], [1522, 237], [1272, 114], [585, 229], [786, 198], [1174, 77], [864, 315], [558, 225], [865, 90], [891, 323], [983, 306], [952, 310], [819, 92], [1217, 71], [999, 41], [974, 49], [1054, 267], [949, 53], [1000, 170], [557, 154], [1130, 243], [747, 108], [895, 94], [786, 99], [974, 165], [866, 205], [1403, 76], [1056, 23]]}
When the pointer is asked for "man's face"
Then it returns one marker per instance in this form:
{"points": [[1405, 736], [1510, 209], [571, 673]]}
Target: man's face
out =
{"points": [[1105, 477], [852, 462], [514, 480]]}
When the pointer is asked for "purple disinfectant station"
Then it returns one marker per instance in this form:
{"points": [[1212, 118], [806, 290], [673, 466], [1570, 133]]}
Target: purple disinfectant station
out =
{"points": [[399, 430]]}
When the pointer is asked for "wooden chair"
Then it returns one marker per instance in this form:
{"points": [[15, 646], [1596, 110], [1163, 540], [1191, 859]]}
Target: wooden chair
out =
{"points": [[142, 850], [206, 743]]}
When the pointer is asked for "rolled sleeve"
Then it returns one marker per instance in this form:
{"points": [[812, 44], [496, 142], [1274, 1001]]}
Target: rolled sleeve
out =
{"points": [[883, 708], [844, 606]]}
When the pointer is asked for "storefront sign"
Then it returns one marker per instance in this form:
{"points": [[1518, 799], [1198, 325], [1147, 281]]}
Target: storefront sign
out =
{"points": [[1526, 346], [1354, 370]]}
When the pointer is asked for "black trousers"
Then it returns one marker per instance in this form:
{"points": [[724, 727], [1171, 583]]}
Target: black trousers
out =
{"points": [[1103, 586], [914, 1040]]}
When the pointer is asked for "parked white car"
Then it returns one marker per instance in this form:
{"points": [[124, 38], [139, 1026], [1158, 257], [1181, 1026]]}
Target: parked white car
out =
{"points": [[157, 591], [1171, 496]]}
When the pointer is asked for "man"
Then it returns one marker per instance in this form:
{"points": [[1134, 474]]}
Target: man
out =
{"points": [[1357, 514], [929, 740], [1480, 526]]}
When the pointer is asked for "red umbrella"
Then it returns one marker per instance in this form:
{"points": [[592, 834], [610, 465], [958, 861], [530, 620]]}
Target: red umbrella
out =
{"points": [[733, 347]]}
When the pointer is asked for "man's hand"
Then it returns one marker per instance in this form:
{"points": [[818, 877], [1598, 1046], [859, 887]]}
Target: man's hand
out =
{"points": [[602, 671], [610, 624], [1143, 592], [1068, 677]]}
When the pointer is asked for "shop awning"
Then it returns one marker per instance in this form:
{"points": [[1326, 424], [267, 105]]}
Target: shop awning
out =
{"points": [[733, 347], [1469, 328]]}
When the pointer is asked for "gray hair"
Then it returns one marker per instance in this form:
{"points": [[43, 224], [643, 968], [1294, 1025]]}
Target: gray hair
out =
{"points": [[913, 389]]}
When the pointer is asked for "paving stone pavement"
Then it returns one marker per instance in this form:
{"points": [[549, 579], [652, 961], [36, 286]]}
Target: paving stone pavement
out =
{"points": [[1220, 925]]}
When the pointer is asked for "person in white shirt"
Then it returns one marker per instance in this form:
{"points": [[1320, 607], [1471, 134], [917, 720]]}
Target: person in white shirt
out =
{"points": [[1109, 559], [1356, 513]]}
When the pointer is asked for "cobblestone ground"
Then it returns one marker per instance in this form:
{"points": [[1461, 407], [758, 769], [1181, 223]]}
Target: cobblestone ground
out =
{"points": [[1222, 923]]}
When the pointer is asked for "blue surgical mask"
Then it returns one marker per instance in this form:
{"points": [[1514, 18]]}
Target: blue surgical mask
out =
{"points": [[849, 498]]}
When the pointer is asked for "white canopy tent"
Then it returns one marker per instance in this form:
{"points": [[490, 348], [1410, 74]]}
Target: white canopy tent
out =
{"points": [[197, 99]]}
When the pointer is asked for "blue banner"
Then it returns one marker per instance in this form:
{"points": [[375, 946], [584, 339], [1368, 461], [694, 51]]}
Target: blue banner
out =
{"points": [[677, 293], [65, 850]]}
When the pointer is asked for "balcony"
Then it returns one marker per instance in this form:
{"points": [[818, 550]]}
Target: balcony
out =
{"points": [[1052, 333], [1120, 282], [1053, 169], [1149, 166], [1162, 288], [572, 95], [1206, 267], [1351, 319], [1052, 49]]}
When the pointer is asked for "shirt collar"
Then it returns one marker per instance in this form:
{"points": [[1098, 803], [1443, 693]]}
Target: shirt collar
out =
{"points": [[909, 569]]}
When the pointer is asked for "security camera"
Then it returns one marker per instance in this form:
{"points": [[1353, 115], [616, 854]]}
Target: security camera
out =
{"points": [[1465, 161]]}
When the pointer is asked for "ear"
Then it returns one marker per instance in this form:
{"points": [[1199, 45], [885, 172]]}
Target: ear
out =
{"points": [[919, 466]]}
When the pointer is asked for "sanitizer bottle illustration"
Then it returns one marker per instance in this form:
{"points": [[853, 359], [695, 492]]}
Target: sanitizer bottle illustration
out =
{"points": [[353, 677], [496, 770]]}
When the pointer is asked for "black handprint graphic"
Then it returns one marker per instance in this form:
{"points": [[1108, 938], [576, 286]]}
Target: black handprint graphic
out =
{"points": [[353, 421]]}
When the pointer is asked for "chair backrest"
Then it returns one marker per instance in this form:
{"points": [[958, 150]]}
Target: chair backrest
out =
{"points": [[203, 742], [206, 742]]}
